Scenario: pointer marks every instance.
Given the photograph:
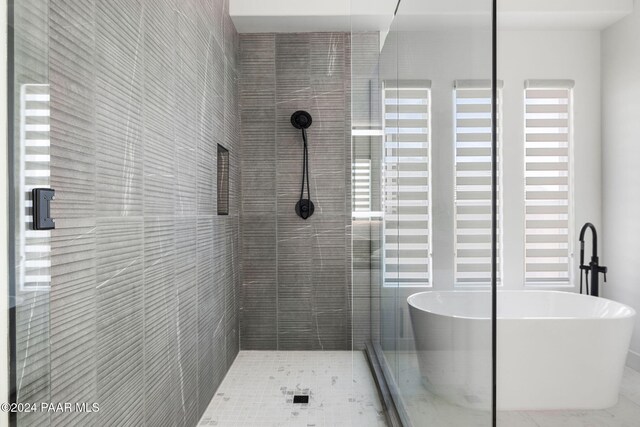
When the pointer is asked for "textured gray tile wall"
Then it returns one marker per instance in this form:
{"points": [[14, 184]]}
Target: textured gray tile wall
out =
{"points": [[297, 289], [259, 306], [144, 298]]}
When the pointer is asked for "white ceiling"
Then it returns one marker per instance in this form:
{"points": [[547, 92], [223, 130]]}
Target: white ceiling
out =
{"points": [[419, 15], [288, 16]]}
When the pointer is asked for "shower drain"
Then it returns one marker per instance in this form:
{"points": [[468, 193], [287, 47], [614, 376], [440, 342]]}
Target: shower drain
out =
{"points": [[300, 398]]}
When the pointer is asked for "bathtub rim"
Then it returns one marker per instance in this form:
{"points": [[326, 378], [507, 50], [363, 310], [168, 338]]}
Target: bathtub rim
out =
{"points": [[630, 315]]}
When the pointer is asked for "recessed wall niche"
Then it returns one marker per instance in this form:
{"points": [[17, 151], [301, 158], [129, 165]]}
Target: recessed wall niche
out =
{"points": [[223, 180]]}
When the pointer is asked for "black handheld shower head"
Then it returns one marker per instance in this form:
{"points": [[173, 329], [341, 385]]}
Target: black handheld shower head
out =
{"points": [[304, 208], [301, 119]]}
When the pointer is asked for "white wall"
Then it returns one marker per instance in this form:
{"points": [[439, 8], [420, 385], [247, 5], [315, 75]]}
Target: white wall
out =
{"points": [[571, 55], [621, 166], [444, 56]]}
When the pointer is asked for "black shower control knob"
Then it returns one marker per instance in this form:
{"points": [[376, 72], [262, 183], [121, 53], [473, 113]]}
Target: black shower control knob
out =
{"points": [[305, 208]]}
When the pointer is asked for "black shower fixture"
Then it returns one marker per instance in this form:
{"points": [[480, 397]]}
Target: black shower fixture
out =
{"points": [[304, 208], [301, 120]]}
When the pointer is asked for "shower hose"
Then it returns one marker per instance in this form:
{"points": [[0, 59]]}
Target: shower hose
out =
{"points": [[305, 206]]}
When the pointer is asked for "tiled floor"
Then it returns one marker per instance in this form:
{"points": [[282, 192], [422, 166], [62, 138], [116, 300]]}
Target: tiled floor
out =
{"points": [[258, 391], [426, 409]]}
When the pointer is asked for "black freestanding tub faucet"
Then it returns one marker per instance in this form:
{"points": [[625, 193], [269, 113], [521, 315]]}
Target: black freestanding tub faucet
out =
{"points": [[594, 267]]}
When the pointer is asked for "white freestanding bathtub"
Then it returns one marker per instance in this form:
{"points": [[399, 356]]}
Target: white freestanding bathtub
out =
{"points": [[556, 350]]}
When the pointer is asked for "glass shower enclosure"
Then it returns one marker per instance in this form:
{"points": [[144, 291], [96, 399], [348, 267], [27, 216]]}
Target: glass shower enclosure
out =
{"points": [[424, 154]]}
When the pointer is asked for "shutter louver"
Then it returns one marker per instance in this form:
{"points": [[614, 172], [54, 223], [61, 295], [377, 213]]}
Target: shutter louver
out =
{"points": [[407, 183], [473, 183], [547, 182]]}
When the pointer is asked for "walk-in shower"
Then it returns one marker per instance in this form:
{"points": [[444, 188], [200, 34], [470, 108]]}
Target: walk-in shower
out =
{"points": [[361, 213]]}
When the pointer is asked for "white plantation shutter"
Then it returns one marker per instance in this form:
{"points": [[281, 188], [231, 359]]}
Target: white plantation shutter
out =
{"points": [[547, 182], [473, 182], [407, 182]]}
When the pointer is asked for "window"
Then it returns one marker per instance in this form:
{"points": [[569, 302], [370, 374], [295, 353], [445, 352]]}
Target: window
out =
{"points": [[473, 182], [407, 183], [361, 176], [35, 171], [547, 182]]}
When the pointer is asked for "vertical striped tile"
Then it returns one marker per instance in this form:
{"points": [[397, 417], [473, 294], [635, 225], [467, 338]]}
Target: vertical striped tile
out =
{"points": [[72, 297], [160, 320], [119, 96], [187, 322], [185, 109], [258, 329], [120, 321], [301, 266], [159, 58], [143, 316]]}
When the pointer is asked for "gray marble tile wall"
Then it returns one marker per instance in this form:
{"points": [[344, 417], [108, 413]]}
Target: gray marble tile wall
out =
{"points": [[297, 291], [145, 277]]}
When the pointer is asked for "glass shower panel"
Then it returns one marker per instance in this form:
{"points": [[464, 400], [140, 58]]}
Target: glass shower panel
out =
{"points": [[566, 94], [366, 168], [31, 252], [390, 320], [366, 183], [434, 322]]}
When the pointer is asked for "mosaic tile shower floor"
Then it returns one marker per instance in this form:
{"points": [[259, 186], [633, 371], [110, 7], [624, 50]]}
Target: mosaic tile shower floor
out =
{"points": [[259, 388]]}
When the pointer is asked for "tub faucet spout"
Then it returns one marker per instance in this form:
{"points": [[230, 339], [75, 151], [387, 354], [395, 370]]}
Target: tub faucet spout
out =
{"points": [[594, 267]]}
